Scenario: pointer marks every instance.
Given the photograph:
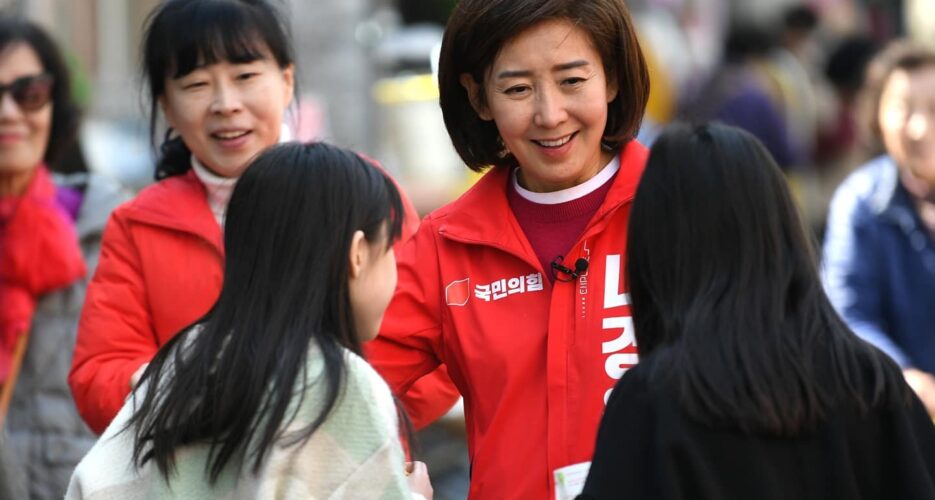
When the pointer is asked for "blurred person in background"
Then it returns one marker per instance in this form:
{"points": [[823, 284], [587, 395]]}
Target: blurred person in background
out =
{"points": [[268, 396], [839, 133], [745, 92], [749, 383], [517, 286], [795, 65], [840, 146], [222, 73], [50, 236], [879, 252]]}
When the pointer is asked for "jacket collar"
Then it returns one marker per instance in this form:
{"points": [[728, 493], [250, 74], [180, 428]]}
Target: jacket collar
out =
{"points": [[178, 203], [890, 199], [483, 215]]}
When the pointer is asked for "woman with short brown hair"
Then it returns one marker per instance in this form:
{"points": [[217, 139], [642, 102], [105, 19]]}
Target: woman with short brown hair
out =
{"points": [[516, 286]]}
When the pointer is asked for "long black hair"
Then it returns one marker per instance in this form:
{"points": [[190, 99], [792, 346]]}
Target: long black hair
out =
{"points": [[181, 35], [229, 381], [726, 295]]}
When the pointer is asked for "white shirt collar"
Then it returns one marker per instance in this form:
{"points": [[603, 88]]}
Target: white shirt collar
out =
{"points": [[218, 189], [573, 193]]}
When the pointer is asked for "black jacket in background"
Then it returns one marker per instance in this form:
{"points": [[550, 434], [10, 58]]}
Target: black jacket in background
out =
{"points": [[648, 449]]}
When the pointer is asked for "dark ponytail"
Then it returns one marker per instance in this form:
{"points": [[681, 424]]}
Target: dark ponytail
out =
{"points": [[174, 157]]}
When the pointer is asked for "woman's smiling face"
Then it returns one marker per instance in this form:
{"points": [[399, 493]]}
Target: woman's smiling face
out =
{"points": [[907, 121], [547, 93], [24, 133], [226, 113]]}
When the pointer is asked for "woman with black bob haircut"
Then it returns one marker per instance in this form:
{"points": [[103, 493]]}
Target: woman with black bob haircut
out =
{"points": [[749, 384], [517, 286], [221, 74], [267, 395]]}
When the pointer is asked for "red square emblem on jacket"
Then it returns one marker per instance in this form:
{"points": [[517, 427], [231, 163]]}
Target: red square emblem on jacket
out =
{"points": [[458, 292]]}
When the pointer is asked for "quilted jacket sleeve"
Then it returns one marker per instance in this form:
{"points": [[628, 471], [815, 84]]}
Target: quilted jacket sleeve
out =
{"points": [[115, 333]]}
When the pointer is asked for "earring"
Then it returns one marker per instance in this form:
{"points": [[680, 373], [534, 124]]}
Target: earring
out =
{"points": [[504, 151]]}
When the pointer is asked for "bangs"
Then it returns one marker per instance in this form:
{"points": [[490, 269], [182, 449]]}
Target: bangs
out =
{"points": [[185, 35], [213, 37]]}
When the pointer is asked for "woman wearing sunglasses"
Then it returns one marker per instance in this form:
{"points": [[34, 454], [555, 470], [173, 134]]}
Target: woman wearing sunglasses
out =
{"points": [[50, 233]]}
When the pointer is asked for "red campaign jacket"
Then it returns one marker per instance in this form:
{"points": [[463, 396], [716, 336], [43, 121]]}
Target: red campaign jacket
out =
{"points": [[535, 362], [161, 269]]}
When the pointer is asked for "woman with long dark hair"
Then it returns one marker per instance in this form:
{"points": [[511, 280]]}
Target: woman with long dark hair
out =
{"points": [[749, 384], [267, 396]]}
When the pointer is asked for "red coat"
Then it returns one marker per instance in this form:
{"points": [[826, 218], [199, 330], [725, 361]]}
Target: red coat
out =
{"points": [[534, 361], [161, 269]]}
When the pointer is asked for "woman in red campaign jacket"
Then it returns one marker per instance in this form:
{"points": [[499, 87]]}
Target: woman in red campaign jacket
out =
{"points": [[222, 73], [517, 286]]}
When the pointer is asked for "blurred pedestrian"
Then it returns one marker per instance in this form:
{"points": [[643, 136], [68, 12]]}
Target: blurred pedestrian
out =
{"points": [[839, 147], [749, 384], [50, 234], [268, 395], [516, 286], [794, 65], [744, 91], [222, 73], [879, 254]]}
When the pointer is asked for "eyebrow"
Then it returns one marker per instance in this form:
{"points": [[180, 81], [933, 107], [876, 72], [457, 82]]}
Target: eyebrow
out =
{"points": [[558, 67]]}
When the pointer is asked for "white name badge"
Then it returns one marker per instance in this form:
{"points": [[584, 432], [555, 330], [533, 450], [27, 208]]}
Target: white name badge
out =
{"points": [[569, 480]]}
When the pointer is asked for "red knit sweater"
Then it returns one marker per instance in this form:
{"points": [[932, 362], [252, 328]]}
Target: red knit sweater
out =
{"points": [[553, 228]]}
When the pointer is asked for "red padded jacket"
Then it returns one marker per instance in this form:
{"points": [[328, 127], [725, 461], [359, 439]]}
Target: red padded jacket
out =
{"points": [[160, 269]]}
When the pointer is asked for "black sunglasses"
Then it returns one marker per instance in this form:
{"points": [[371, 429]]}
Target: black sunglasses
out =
{"points": [[30, 93]]}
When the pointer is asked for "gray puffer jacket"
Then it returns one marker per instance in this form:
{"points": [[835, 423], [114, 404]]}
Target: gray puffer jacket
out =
{"points": [[45, 438]]}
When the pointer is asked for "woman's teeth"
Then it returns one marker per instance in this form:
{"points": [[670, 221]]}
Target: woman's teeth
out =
{"points": [[556, 143], [230, 135]]}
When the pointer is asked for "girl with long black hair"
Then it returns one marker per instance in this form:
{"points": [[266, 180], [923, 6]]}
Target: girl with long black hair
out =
{"points": [[267, 396], [749, 384]]}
